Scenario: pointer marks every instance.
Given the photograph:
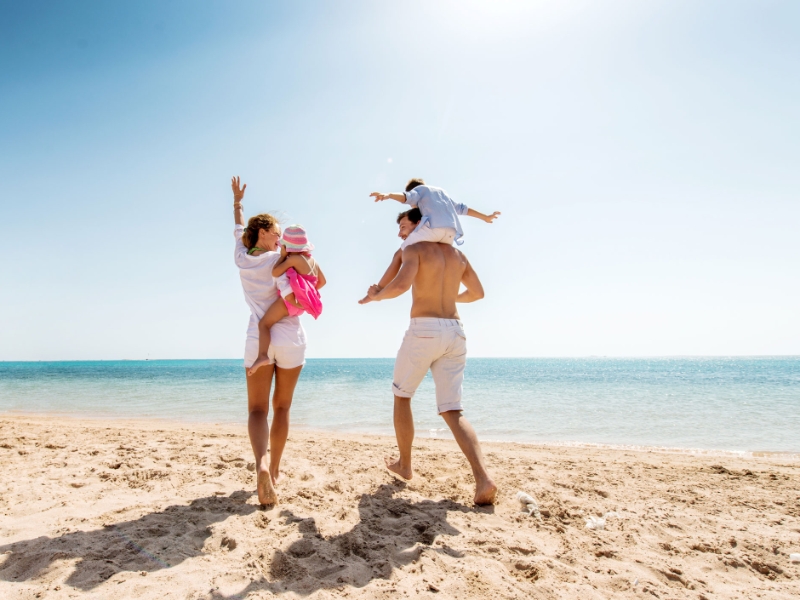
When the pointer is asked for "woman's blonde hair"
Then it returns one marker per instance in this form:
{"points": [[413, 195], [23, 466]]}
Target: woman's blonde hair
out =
{"points": [[262, 221]]}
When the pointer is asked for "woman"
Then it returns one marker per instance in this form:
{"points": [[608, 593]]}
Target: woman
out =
{"points": [[256, 254]]}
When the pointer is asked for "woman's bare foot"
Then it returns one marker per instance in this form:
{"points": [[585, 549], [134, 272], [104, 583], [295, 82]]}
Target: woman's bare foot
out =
{"points": [[395, 467], [260, 362], [486, 493], [275, 475], [266, 491]]}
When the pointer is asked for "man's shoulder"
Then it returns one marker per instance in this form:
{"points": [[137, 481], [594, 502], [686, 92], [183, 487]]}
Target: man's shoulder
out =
{"points": [[428, 248]]}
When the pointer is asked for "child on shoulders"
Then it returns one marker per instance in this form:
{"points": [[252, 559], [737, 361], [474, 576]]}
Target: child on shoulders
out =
{"points": [[440, 213]]}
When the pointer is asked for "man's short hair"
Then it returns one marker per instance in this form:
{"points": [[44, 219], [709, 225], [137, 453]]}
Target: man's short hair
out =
{"points": [[412, 183], [414, 215]]}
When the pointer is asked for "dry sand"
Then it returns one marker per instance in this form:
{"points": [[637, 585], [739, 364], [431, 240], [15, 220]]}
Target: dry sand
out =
{"points": [[96, 509]]}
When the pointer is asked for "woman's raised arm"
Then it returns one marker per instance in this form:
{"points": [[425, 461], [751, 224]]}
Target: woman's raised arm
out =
{"points": [[238, 194]]}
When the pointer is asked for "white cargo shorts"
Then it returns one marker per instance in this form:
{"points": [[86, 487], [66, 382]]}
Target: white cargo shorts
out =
{"points": [[439, 345]]}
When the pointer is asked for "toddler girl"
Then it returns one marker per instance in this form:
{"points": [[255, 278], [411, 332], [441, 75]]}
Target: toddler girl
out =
{"points": [[305, 278]]}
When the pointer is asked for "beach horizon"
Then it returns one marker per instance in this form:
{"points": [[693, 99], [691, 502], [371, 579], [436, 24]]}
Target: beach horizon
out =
{"points": [[710, 404]]}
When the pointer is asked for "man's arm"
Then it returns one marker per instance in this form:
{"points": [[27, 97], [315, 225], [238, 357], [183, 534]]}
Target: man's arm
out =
{"points": [[238, 194], [479, 215], [401, 198], [390, 274], [474, 289], [393, 270], [402, 282]]}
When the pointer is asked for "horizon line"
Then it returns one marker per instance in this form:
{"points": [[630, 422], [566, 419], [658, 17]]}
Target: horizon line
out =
{"points": [[564, 357]]}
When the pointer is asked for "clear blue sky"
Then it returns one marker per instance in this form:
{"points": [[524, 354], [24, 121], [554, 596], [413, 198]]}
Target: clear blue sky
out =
{"points": [[645, 156]]}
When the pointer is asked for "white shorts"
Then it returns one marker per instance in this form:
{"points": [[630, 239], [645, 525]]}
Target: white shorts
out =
{"points": [[439, 345], [426, 233], [283, 357]]}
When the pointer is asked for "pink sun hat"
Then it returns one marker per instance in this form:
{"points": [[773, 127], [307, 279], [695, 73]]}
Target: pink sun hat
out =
{"points": [[296, 240]]}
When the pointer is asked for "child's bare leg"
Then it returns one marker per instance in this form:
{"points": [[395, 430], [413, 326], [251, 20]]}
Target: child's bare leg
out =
{"points": [[274, 314], [293, 301]]}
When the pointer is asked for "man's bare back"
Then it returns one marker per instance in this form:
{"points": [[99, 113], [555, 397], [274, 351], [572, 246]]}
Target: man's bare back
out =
{"points": [[435, 287], [434, 272]]}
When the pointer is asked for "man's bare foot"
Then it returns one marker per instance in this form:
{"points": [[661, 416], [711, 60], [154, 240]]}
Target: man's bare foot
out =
{"points": [[395, 467], [266, 491], [260, 362], [486, 493]]}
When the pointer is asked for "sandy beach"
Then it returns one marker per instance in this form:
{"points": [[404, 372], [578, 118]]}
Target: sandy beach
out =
{"points": [[147, 509]]}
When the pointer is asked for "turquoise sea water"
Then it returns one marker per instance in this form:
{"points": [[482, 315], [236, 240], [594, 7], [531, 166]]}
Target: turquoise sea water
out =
{"points": [[742, 404]]}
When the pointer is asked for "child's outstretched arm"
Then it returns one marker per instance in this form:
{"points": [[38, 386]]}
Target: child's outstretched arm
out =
{"points": [[479, 215], [379, 196]]}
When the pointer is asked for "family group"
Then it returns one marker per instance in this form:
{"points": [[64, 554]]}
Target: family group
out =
{"points": [[282, 280]]}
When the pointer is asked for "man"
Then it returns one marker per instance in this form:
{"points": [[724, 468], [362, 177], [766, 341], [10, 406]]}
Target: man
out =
{"points": [[435, 340]]}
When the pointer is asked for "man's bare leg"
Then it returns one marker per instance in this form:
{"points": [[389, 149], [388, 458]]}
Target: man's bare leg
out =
{"points": [[285, 382], [258, 388], [404, 431], [485, 489]]}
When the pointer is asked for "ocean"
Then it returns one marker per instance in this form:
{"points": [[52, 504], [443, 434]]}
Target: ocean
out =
{"points": [[730, 404]]}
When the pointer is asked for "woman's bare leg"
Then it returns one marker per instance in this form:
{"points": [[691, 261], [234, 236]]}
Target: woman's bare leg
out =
{"points": [[274, 313], [258, 388], [285, 382]]}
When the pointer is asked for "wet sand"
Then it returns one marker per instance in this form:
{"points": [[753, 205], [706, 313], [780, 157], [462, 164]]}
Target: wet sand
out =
{"points": [[147, 509]]}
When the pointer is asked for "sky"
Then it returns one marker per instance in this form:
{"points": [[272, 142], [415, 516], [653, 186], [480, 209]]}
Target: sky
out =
{"points": [[644, 156]]}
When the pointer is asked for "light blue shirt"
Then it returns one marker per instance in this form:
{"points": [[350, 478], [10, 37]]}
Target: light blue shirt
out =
{"points": [[437, 208]]}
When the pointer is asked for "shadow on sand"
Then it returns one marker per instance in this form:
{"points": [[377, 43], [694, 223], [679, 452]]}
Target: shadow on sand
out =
{"points": [[149, 543], [391, 533]]}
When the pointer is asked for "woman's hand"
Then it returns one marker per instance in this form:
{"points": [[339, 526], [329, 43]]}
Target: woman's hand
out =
{"points": [[238, 194], [238, 190]]}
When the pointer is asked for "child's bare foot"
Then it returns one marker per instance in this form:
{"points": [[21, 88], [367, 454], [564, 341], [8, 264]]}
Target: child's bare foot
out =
{"points": [[266, 491], [260, 362], [395, 467], [486, 493]]}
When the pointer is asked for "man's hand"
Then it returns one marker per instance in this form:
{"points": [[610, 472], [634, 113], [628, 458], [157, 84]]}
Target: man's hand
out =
{"points": [[379, 196], [490, 218], [238, 190], [371, 293]]}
